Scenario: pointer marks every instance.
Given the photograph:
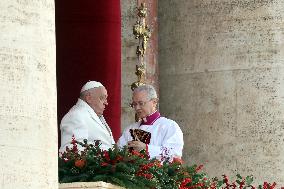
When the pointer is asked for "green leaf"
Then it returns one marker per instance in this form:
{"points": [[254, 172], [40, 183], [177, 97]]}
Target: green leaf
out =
{"points": [[219, 183], [249, 180], [239, 176]]}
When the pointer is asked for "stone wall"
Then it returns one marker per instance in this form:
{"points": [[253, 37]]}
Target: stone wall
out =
{"points": [[129, 58], [222, 79], [28, 131]]}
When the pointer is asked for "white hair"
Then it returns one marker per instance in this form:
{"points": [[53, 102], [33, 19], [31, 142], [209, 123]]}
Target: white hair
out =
{"points": [[149, 89], [85, 93]]}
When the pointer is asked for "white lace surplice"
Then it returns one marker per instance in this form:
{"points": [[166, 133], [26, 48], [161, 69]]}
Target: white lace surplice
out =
{"points": [[166, 138]]}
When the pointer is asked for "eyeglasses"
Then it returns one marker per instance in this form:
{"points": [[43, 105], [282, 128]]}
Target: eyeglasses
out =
{"points": [[103, 98], [140, 103]]}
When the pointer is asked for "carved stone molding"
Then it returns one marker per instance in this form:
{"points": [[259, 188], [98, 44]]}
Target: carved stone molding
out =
{"points": [[88, 185]]}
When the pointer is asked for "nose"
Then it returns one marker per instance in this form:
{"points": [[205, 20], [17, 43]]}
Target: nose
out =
{"points": [[137, 107], [105, 102]]}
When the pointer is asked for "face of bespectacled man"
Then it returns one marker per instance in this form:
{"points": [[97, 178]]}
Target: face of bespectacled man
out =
{"points": [[142, 105], [97, 99]]}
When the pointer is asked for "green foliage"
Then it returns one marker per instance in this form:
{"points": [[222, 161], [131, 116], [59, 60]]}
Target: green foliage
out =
{"points": [[132, 169], [124, 168]]}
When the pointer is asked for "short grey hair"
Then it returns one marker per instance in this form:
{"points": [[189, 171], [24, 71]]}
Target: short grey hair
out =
{"points": [[149, 89], [84, 93]]}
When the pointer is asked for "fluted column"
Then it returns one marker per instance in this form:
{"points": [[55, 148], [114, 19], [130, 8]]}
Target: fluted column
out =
{"points": [[28, 127], [129, 58], [222, 79]]}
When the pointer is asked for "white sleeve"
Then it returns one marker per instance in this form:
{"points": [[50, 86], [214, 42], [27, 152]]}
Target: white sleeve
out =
{"points": [[74, 126], [172, 143], [122, 141]]}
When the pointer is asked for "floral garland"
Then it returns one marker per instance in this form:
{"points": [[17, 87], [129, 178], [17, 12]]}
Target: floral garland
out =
{"points": [[132, 169]]}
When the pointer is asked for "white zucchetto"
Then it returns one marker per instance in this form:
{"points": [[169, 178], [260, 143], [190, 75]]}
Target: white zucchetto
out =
{"points": [[90, 85]]}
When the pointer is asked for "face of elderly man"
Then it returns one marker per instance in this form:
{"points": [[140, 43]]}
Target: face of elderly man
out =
{"points": [[97, 99], [142, 105]]}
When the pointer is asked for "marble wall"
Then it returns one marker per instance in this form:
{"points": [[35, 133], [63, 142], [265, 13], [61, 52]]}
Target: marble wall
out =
{"points": [[28, 131], [222, 79]]}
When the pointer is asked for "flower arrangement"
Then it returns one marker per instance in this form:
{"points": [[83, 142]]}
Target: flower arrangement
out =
{"points": [[132, 169]]}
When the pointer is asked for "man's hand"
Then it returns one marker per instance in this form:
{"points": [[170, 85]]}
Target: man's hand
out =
{"points": [[137, 145]]}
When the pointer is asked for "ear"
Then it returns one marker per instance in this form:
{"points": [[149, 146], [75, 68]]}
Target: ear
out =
{"points": [[155, 102], [88, 97]]}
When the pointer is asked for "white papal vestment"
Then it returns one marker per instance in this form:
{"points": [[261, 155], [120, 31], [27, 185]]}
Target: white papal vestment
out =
{"points": [[83, 123]]}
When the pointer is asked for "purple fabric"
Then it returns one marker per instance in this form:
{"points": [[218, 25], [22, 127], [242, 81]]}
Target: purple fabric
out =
{"points": [[150, 119]]}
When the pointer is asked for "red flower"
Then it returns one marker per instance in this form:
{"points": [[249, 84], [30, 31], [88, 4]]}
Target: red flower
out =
{"points": [[226, 181], [148, 175], [80, 163], [147, 166], [184, 183], [273, 185], [73, 140], [233, 185], [213, 185], [242, 184], [199, 168], [266, 185], [136, 153], [106, 155], [119, 158], [145, 175], [177, 160], [104, 164]]}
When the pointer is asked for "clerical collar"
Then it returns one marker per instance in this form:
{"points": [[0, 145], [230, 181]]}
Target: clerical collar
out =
{"points": [[150, 119]]}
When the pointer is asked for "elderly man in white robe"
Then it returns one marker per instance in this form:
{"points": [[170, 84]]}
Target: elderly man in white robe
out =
{"points": [[85, 119], [166, 137]]}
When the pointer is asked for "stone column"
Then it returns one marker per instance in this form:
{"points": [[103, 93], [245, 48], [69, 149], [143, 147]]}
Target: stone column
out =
{"points": [[28, 131], [129, 58], [222, 79]]}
